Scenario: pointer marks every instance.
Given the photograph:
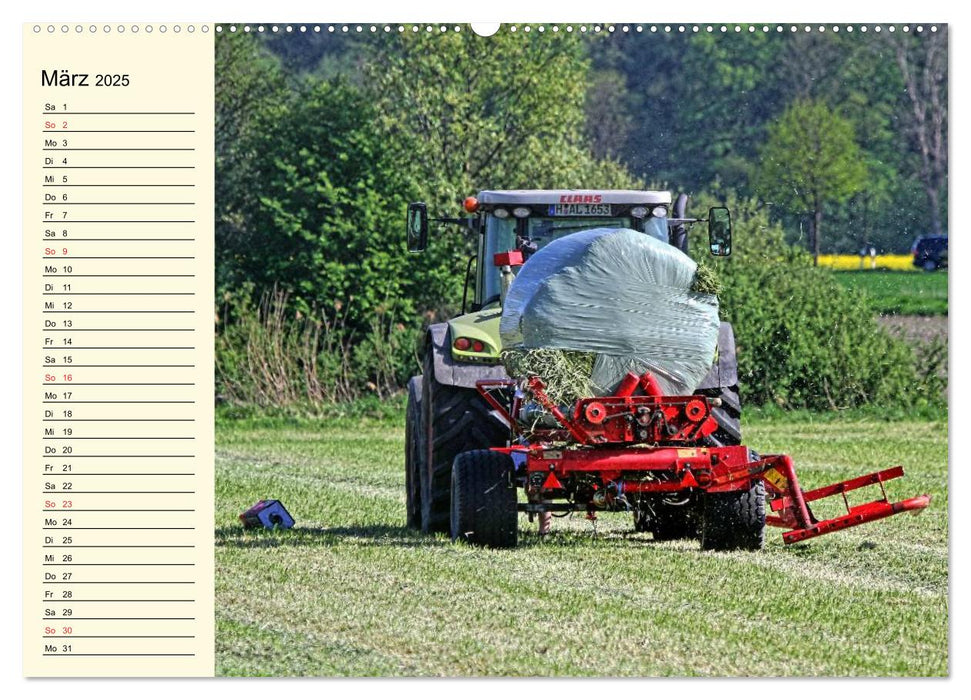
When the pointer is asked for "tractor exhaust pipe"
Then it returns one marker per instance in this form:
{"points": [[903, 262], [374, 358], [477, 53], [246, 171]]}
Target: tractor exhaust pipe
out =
{"points": [[678, 236]]}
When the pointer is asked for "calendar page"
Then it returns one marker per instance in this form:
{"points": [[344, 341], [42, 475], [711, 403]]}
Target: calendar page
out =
{"points": [[607, 349]]}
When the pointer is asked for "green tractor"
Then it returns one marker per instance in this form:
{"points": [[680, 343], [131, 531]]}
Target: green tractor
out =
{"points": [[447, 416]]}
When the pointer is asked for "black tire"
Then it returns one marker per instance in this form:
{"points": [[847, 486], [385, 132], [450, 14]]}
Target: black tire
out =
{"points": [[667, 522], [483, 500], [674, 523], [728, 416], [929, 266], [454, 420], [734, 520], [414, 454]]}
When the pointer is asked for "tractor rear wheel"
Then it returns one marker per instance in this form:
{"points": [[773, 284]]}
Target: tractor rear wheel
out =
{"points": [[483, 503], [673, 522], [414, 454], [734, 520], [454, 420]]}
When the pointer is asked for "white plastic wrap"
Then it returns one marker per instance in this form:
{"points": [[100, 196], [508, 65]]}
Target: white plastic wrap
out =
{"points": [[621, 294]]}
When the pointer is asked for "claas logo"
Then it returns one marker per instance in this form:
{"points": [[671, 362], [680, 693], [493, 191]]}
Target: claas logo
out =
{"points": [[581, 198]]}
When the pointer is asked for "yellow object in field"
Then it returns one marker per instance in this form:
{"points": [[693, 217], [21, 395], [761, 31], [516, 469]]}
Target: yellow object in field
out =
{"points": [[856, 262]]}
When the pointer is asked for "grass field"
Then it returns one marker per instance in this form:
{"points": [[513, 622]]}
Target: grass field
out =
{"points": [[351, 592], [901, 292]]}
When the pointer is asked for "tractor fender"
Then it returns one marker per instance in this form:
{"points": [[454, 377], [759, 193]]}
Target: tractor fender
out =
{"points": [[450, 372], [724, 372]]}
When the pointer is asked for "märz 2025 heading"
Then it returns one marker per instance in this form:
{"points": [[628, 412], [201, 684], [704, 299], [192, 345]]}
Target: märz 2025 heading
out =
{"points": [[60, 77]]}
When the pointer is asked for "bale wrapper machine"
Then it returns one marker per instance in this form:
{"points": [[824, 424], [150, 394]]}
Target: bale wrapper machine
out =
{"points": [[640, 451]]}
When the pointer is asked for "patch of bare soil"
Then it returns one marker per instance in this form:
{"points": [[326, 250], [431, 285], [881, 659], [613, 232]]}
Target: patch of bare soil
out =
{"points": [[917, 330]]}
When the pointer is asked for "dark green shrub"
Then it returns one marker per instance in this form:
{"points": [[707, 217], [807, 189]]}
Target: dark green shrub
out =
{"points": [[803, 340]]}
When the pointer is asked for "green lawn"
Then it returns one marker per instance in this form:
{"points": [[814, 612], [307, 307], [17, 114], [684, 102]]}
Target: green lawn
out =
{"points": [[351, 592], [897, 292]]}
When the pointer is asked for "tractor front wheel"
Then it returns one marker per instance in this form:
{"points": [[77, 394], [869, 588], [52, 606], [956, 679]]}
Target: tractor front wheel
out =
{"points": [[414, 454], [483, 507], [734, 520]]}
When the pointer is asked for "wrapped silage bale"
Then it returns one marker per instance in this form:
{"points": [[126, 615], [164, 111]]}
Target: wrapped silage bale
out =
{"points": [[617, 293]]}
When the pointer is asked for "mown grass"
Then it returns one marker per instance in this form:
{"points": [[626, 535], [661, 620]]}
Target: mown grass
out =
{"points": [[899, 292], [351, 592]]}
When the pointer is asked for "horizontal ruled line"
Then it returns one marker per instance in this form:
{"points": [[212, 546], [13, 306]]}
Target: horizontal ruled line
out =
{"points": [[120, 221], [119, 438], [121, 294], [118, 366], [62, 148], [119, 184], [72, 239], [63, 584], [117, 401], [115, 204], [114, 636], [119, 384], [142, 456], [126, 564], [175, 114], [139, 276], [127, 600], [119, 167], [72, 491], [121, 311], [119, 528], [119, 510], [118, 131], [133, 474], [118, 257], [68, 654], [119, 420], [119, 546]]}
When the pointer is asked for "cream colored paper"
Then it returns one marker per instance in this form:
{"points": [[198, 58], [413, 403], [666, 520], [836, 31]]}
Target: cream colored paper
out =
{"points": [[118, 358]]}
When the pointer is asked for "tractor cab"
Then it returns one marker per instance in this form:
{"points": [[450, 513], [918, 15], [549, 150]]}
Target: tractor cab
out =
{"points": [[513, 224]]}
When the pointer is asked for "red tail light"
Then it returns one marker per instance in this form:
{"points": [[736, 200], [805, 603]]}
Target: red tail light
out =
{"points": [[466, 344]]}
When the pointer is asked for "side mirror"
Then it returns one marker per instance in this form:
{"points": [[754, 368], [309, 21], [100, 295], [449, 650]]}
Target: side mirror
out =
{"points": [[417, 227], [719, 231]]}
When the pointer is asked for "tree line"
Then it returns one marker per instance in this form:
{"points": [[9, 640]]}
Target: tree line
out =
{"points": [[323, 139]]}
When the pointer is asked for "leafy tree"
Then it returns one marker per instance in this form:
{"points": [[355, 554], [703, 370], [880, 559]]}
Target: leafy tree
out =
{"points": [[460, 113], [325, 225], [811, 158], [250, 83], [609, 123], [923, 66]]}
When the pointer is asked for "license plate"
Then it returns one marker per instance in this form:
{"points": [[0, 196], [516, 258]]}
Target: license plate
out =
{"points": [[579, 210]]}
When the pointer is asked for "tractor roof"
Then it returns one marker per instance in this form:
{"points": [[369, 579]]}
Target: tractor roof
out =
{"points": [[526, 197]]}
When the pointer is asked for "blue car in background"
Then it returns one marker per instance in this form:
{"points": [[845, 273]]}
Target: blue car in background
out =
{"points": [[930, 252]]}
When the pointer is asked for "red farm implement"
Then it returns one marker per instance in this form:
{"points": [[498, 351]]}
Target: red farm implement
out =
{"points": [[646, 453]]}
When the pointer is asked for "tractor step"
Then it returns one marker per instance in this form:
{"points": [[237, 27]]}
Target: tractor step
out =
{"points": [[855, 515]]}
